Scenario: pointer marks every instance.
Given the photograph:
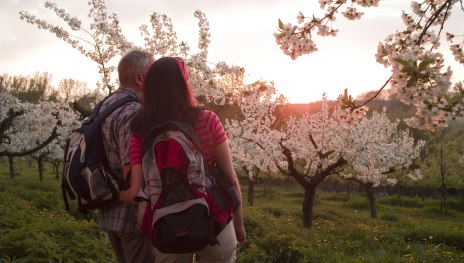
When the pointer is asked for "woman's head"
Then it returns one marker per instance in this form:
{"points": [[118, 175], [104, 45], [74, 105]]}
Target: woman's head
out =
{"points": [[167, 94]]}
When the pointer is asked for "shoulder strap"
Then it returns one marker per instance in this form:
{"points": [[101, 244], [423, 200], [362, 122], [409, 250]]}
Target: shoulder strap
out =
{"points": [[188, 130], [96, 110], [184, 127], [98, 116]]}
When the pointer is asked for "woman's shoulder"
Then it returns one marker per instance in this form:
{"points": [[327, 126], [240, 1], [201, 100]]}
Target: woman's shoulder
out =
{"points": [[205, 115], [207, 119]]}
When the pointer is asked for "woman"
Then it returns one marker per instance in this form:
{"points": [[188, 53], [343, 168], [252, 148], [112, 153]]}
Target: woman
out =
{"points": [[168, 96]]}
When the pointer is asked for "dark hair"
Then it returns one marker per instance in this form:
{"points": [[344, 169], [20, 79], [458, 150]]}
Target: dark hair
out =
{"points": [[167, 96]]}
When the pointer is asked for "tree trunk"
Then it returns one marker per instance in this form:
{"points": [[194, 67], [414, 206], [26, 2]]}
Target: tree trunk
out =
{"points": [[348, 187], [265, 187], [251, 191], [40, 165], [308, 205], [11, 164], [443, 205], [462, 195], [56, 166], [371, 199]]}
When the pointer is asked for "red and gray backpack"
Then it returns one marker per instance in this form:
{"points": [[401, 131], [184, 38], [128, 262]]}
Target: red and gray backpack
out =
{"points": [[178, 208]]}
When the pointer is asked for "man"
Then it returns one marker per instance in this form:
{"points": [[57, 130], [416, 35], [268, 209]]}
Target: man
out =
{"points": [[120, 220]]}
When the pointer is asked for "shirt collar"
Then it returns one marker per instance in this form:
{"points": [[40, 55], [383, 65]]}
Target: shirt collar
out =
{"points": [[129, 90]]}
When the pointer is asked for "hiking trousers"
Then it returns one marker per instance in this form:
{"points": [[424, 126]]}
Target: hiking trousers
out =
{"points": [[131, 248], [223, 253]]}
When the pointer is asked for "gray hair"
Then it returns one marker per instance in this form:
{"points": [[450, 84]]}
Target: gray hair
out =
{"points": [[132, 62]]}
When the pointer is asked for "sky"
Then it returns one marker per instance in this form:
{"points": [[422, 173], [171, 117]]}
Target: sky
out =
{"points": [[241, 34]]}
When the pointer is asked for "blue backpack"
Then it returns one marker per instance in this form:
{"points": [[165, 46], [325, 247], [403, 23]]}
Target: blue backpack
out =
{"points": [[86, 176]]}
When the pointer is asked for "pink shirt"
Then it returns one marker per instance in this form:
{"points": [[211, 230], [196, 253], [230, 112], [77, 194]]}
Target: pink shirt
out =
{"points": [[209, 130]]}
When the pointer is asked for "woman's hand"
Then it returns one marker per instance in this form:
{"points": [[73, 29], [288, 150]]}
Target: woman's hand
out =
{"points": [[240, 234], [136, 182]]}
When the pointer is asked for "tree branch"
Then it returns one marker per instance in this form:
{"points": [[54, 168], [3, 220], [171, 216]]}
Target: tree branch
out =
{"points": [[38, 147], [8, 121]]}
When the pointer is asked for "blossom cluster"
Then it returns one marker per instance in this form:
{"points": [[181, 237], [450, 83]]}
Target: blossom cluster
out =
{"points": [[297, 40], [252, 139], [35, 124], [371, 147], [418, 73], [102, 40]]}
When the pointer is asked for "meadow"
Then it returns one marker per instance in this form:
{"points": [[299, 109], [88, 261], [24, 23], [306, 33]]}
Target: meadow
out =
{"points": [[34, 227]]}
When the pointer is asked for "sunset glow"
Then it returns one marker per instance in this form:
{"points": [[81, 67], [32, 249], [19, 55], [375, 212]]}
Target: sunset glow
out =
{"points": [[241, 34]]}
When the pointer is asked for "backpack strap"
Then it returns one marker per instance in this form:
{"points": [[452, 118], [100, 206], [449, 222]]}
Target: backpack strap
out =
{"points": [[97, 107], [99, 116], [184, 127]]}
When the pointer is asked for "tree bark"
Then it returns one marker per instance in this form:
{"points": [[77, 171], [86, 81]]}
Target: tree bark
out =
{"points": [[40, 165], [443, 205], [265, 187], [308, 205], [309, 183], [56, 166], [371, 198], [348, 190], [367, 187], [35, 149], [251, 191], [11, 165]]}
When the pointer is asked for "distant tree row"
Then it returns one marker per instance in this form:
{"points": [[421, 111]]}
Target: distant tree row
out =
{"points": [[36, 118]]}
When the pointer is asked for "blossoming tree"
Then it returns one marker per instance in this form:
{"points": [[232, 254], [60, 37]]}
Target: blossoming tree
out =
{"points": [[315, 146], [53, 152], [103, 41], [329, 144], [378, 150], [250, 149], [418, 73], [25, 128]]}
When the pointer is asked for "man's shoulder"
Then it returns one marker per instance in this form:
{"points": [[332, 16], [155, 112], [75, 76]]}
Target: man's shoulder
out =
{"points": [[128, 108]]}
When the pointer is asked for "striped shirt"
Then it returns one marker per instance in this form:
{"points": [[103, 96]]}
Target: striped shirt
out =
{"points": [[209, 130], [116, 137], [211, 133]]}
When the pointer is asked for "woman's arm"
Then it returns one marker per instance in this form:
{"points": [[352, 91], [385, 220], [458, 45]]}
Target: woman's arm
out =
{"points": [[136, 183], [224, 161], [136, 179]]}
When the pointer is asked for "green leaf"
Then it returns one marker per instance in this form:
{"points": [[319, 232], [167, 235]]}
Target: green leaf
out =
{"points": [[281, 25], [412, 81], [402, 62], [407, 67], [448, 100], [424, 63]]}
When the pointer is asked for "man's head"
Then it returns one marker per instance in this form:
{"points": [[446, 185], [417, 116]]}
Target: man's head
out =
{"points": [[133, 67]]}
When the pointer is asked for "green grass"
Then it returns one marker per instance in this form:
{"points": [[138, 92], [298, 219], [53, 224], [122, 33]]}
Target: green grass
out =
{"points": [[406, 230], [34, 227]]}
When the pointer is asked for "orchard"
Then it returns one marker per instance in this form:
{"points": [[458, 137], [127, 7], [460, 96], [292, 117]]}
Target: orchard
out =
{"points": [[343, 140]]}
